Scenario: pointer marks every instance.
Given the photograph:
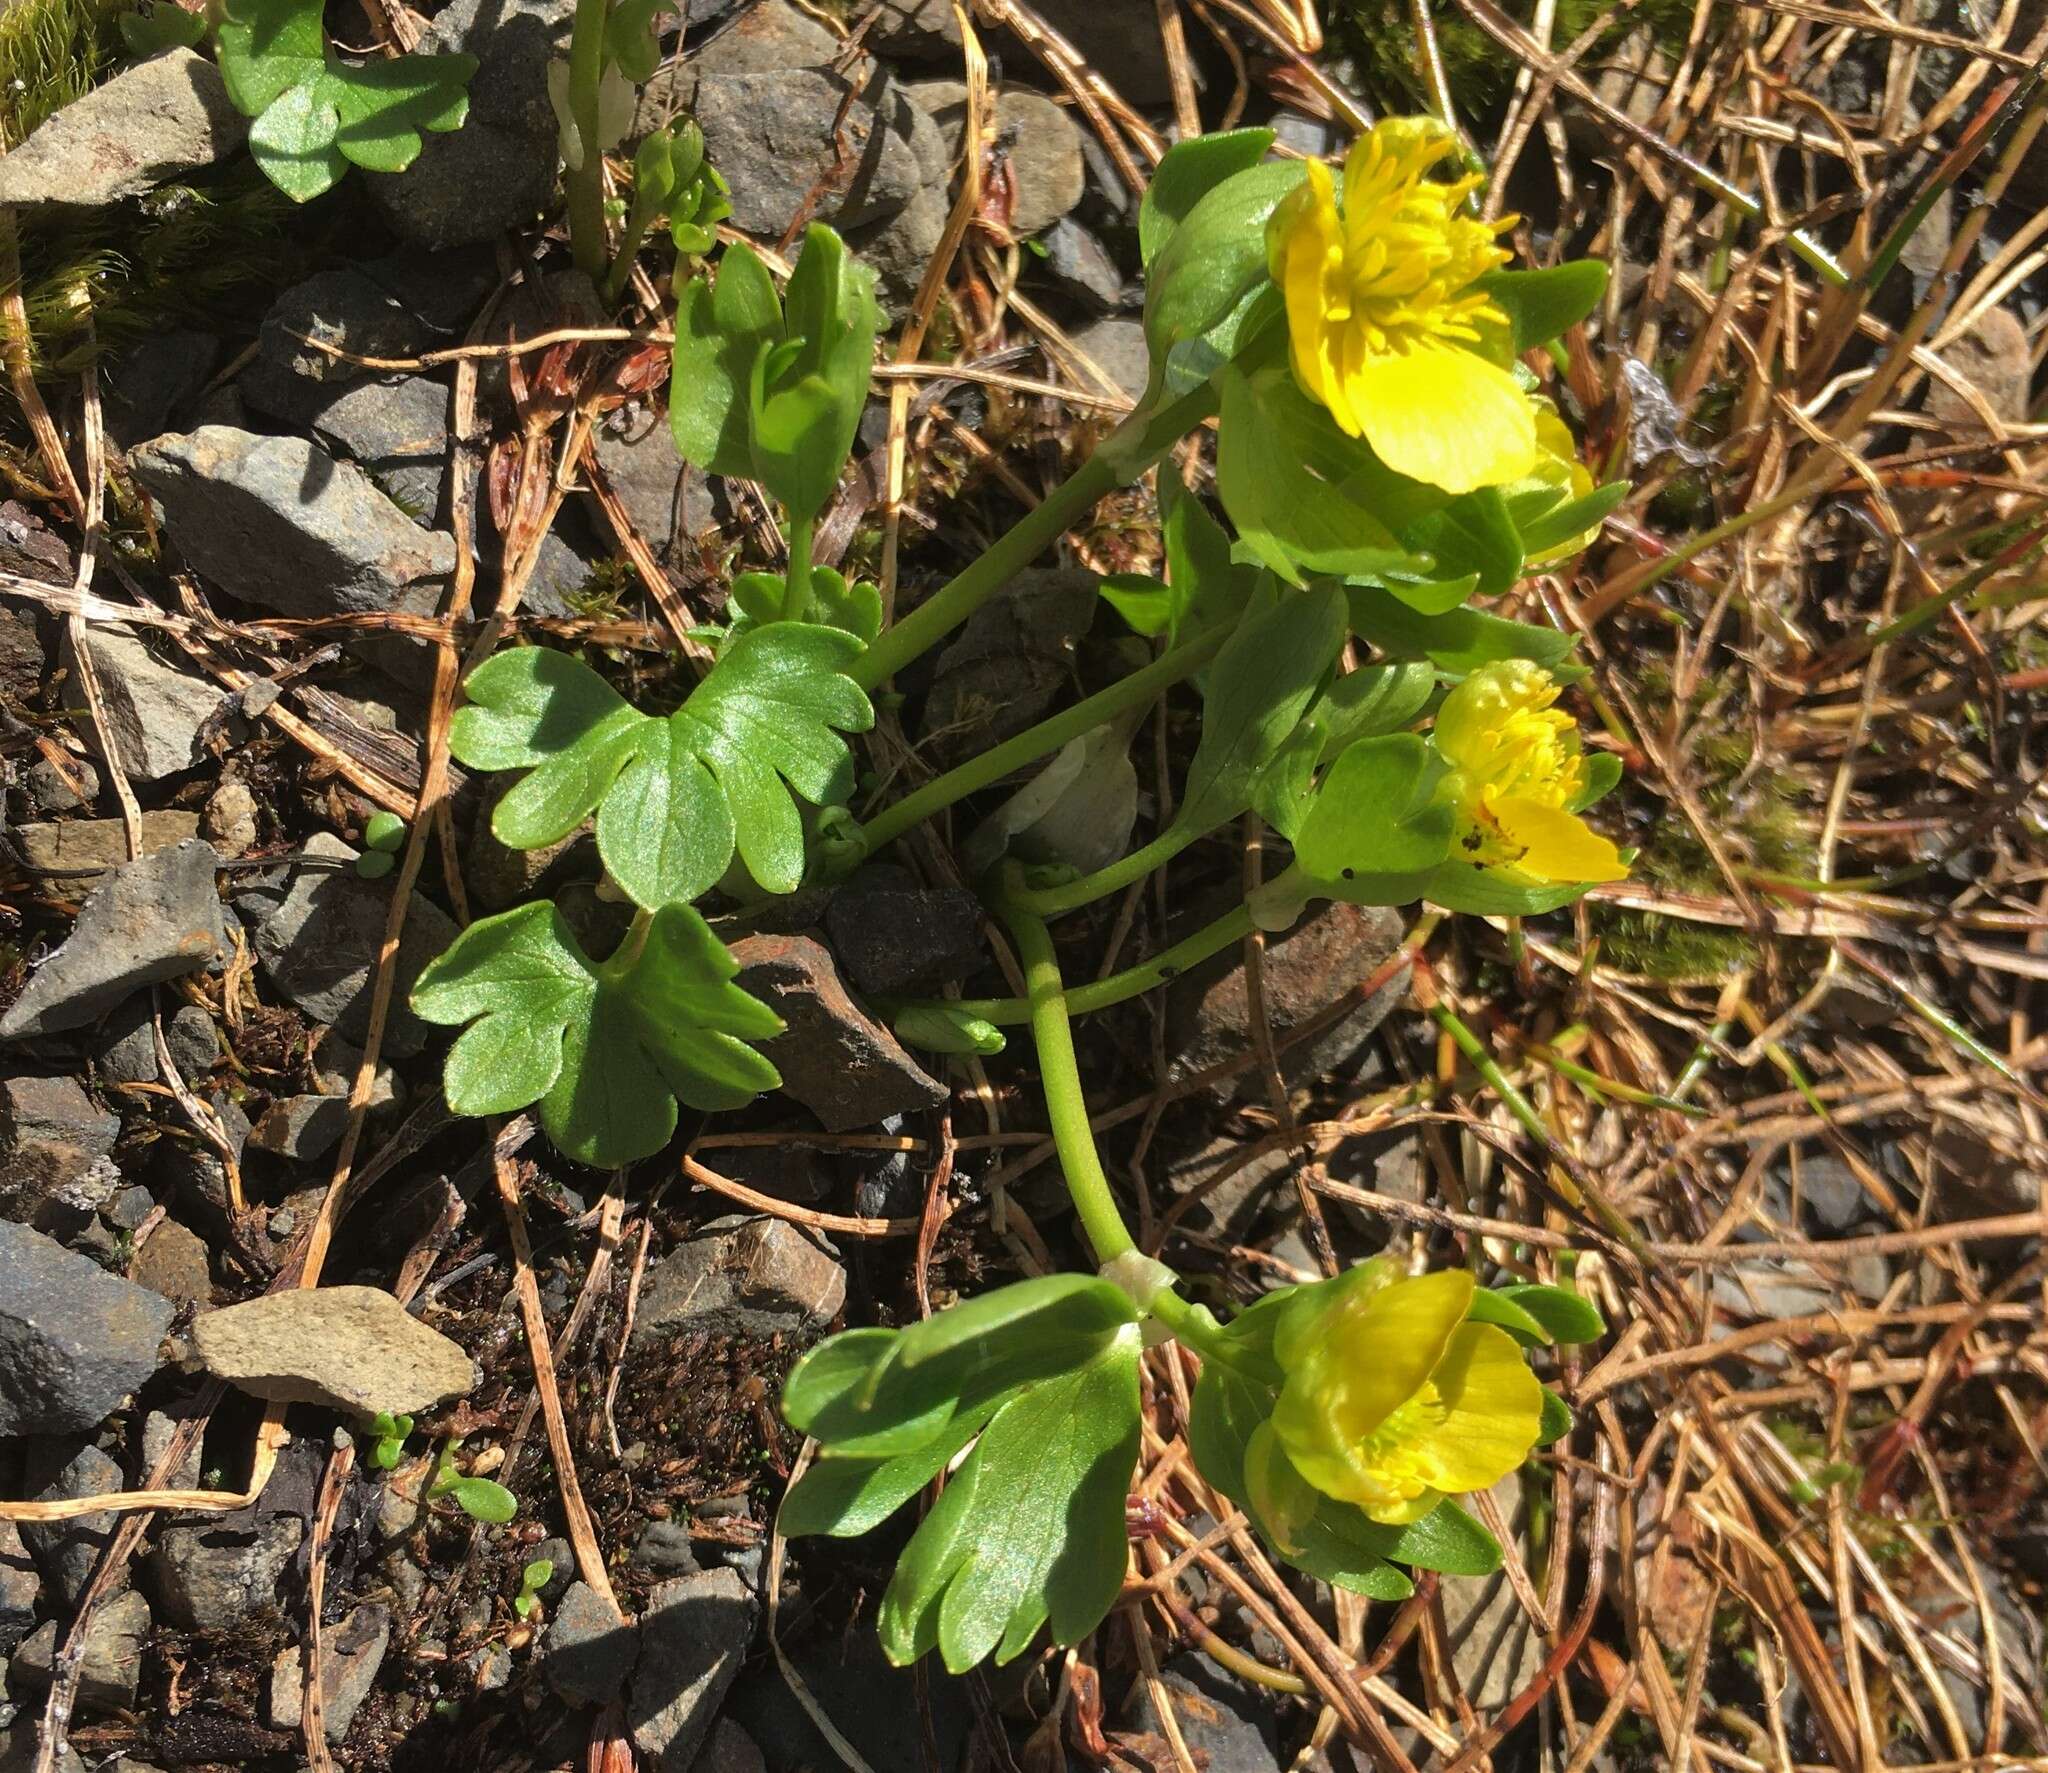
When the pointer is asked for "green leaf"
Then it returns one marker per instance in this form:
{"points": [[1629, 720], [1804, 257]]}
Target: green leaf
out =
{"points": [[1497, 1308], [1030, 1532], [1557, 1420], [845, 1496], [630, 39], [605, 1049], [1333, 1556], [938, 1028], [673, 797], [1599, 772], [1457, 642], [1446, 1539], [1258, 689], [1365, 703], [1551, 526], [481, 1499], [315, 113], [1542, 304], [1226, 1408], [1189, 171], [1375, 812], [1285, 474], [857, 1393], [722, 325], [1566, 1316], [1213, 263], [854, 609], [163, 25], [1470, 537]]}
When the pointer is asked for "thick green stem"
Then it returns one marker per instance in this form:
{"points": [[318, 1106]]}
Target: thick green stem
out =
{"points": [[1059, 1074], [585, 183], [1118, 460], [637, 224], [1051, 901], [796, 605], [994, 764]]}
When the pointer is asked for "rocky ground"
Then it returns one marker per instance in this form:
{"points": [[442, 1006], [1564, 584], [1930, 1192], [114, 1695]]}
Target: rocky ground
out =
{"points": [[1797, 1053]]}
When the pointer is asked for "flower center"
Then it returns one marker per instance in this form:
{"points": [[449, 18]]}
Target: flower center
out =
{"points": [[1387, 1457], [1408, 257]]}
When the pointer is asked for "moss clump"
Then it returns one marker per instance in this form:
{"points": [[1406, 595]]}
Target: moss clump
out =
{"points": [[51, 52]]}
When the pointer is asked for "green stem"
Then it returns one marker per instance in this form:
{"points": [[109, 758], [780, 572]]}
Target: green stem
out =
{"points": [[585, 184], [1051, 901], [1118, 460], [638, 221], [1060, 1077], [796, 603], [993, 765]]}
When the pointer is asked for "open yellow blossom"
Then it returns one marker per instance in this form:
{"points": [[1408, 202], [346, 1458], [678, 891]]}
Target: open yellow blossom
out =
{"points": [[1383, 323], [1393, 1401], [1516, 777]]}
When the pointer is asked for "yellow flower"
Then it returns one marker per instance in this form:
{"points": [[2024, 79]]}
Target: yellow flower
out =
{"points": [[1516, 774], [1383, 323], [1393, 1401]]}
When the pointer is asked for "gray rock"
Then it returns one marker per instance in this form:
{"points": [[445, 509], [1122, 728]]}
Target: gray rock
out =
{"points": [[729, 1749], [51, 1135], [111, 1665], [837, 1061], [776, 137], [917, 30], [209, 1575], [351, 1348], [66, 1550], [156, 381], [301, 1127], [1305, 970], [1081, 265], [18, 1749], [351, 1653], [19, 1586], [693, 1637], [591, 1650], [767, 39], [754, 1277], [101, 843], [128, 1208], [193, 1040], [664, 501], [278, 522], [498, 170], [1994, 357], [1013, 656], [1122, 43], [157, 1429], [666, 1546], [23, 663], [898, 939], [900, 248], [175, 1263], [1117, 347], [146, 921], [230, 818], [1229, 1725], [1040, 149], [1494, 1647], [74, 1339], [51, 790], [154, 710], [383, 423], [125, 1048], [396, 307], [319, 947], [156, 121]]}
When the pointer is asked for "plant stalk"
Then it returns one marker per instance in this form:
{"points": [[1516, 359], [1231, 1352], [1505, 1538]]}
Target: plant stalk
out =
{"points": [[585, 184], [1073, 894], [1118, 460], [994, 764], [796, 602], [637, 224]]}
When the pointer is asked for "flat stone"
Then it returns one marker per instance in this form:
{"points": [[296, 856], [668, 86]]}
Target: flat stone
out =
{"points": [[693, 1638], [52, 1135], [898, 939], [74, 1339], [1229, 1725], [1993, 356], [836, 1060], [498, 170], [591, 1650], [755, 1277], [901, 247], [352, 1348], [278, 522], [1117, 347], [1081, 265], [400, 306], [144, 922], [666, 502], [151, 123], [175, 1263], [102, 843], [1039, 148], [111, 1666], [1306, 969], [209, 1575], [19, 1586], [66, 790], [193, 1040], [301, 1127], [379, 423], [351, 1653], [154, 711], [63, 1470], [1009, 661], [319, 946]]}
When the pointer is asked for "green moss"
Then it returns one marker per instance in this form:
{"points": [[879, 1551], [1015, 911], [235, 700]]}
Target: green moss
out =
{"points": [[51, 51], [1379, 33]]}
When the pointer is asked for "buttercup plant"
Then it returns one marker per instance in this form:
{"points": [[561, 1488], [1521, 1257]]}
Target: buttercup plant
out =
{"points": [[1382, 457]]}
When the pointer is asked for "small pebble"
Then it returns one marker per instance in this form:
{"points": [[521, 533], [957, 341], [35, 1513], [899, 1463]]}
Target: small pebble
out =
{"points": [[229, 821]]}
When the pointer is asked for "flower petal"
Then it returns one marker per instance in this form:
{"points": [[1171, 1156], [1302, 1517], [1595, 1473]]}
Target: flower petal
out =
{"points": [[1367, 1357], [1493, 1411], [1556, 845], [1445, 417]]}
